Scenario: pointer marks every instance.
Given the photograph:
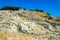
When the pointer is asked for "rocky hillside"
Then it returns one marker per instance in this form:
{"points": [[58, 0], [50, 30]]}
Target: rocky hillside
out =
{"points": [[28, 25]]}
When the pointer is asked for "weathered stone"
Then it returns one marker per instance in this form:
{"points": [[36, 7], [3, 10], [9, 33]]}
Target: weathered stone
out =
{"points": [[27, 25]]}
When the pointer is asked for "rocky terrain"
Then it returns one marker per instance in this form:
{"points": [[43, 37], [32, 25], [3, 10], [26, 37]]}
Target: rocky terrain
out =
{"points": [[28, 25]]}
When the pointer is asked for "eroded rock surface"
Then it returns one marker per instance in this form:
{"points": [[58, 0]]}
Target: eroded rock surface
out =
{"points": [[28, 25]]}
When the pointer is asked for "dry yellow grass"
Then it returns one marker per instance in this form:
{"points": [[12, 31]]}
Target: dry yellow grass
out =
{"points": [[3, 36], [57, 19], [16, 36]]}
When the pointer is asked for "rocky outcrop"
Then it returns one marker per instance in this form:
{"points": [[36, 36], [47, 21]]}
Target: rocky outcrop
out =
{"points": [[28, 25]]}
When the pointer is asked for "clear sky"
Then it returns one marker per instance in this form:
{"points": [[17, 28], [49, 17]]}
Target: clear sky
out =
{"points": [[51, 6]]}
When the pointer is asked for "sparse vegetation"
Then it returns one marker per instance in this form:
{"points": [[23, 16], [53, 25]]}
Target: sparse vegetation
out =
{"points": [[39, 10], [31, 10], [36, 10], [57, 20], [24, 9], [48, 13]]}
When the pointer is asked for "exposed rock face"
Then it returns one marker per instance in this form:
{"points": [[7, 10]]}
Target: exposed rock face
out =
{"points": [[28, 25]]}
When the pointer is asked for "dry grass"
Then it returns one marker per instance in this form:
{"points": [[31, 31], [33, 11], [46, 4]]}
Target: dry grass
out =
{"points": [[3, 36], [57, 20], [16, 36]]}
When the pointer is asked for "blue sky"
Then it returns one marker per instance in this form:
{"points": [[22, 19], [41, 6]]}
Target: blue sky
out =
{"points": [[51, 6]]}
